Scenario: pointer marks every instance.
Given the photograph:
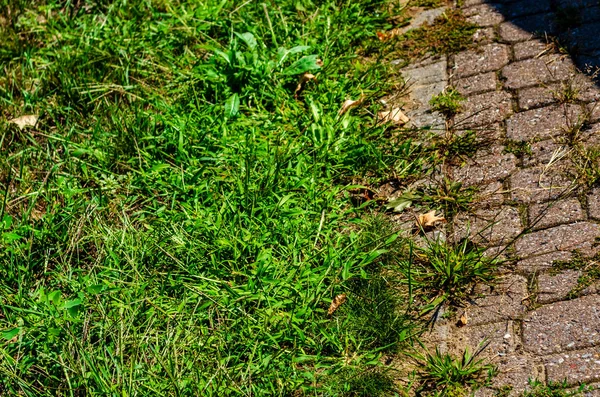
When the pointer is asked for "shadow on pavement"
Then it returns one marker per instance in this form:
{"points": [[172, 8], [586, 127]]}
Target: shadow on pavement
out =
{"points": [[573, 25]]}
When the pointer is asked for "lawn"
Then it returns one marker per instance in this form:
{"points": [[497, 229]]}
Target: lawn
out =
{"points": [[192, 199]]}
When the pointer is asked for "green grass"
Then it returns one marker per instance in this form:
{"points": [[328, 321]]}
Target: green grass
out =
{"points": [[442, 374], [448, 102], [180, 218], [553, 389]]}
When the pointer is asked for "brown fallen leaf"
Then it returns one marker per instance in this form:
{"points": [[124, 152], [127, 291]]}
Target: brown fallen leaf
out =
{"points": [[29, 120], [385, 36], [463, 320], [336, 303], [306, 77], [395, 116], [429, 219], [350, 103]]}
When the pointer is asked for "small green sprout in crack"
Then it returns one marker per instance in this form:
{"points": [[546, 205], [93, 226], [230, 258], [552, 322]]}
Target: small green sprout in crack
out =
{"points": [[448, 102], [567, 92], [518, 148], [589, 268], [553, 389], [441, 374]]}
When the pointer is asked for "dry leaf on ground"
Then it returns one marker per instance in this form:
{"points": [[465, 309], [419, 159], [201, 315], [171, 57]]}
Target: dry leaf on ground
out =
{"points": [[29, 120], [306, 77], [395, 116], [349, 104], [463, 320], [429, 219], [336, 303], [384, 36]]}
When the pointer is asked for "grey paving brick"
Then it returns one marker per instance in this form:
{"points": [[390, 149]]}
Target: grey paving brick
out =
{"points": [[577, 236], [500, 338], [531, 49], [493, 226], [526, 7], [563, 326], [487, 168], [501, 303], [426, 74], [546, 69], [574, 367], [484, 14], [537, 26], [542, 123], [543, 151], [488, 58], [484, 109], [555, 287], [538, 185], [476, 84], [555, 213], [544, 262], [593, 201], [535, 97]]}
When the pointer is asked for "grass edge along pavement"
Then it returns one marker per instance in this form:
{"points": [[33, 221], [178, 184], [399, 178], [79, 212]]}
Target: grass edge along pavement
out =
{"points": [[182, 213]]}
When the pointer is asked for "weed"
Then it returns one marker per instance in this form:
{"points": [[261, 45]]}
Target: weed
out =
{"points": [[552, 389], [444, 375], [446, 273], [448, 102], [427, 3], [518, 148], [568, 92], [589, 268], [450, 196]]}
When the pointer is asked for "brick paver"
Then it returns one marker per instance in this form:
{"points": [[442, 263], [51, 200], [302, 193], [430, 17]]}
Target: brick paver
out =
{"points": [[533, 110]]}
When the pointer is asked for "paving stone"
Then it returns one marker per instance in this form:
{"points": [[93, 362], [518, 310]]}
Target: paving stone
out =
{"points": [[574, 367], [588, 90], [555, 287], [593, 200], [546, 69], [589, 136], [484, 109], [489, 226], [484, 36], [516, 371], [562, 326], [535, 97], [541, 263], [502, 302], [484, 14], [499, 338], [576, 236], [537, 26], [425, 118], [487, 168], [593, 111], [542, 123], [555, 213], [488, 58], [538, 185], [420, 95], [526, 7], [543, 151], [427, 74], [531, 49], [424, 17], [489, 195], [476, 84]]}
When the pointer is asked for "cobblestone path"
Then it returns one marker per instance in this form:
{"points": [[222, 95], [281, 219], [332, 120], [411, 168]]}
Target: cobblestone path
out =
{"points": [[536, 207]]}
